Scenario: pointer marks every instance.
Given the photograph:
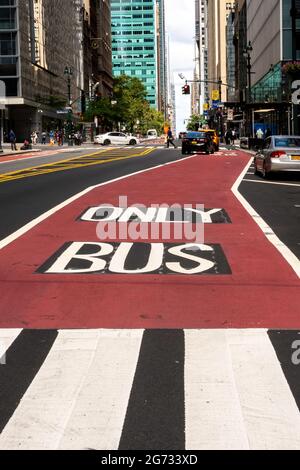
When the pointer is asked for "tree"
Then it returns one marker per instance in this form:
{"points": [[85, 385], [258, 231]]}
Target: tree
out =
{"points": [[130, 105], [195, 122], [152, 119]]}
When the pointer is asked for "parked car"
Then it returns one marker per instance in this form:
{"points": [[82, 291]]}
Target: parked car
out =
{"points": [[118, 138], [197, 141], [279, 153], [215, 138], [152, 134]]}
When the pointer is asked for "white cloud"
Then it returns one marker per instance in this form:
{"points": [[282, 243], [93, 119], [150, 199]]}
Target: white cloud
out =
{"points": [[180, 25]]}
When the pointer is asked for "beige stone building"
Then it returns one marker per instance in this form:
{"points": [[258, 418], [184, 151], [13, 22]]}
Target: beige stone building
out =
{"points": [[217, 14]]}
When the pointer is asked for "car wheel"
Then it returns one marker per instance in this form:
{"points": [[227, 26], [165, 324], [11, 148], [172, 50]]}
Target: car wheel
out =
{"points": [[106, 142], [132, 142]]}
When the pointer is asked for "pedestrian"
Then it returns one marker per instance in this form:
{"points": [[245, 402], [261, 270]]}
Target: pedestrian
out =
{"points": [[228, 137], [233, 136], [26, 145], [44, 137], [12, 139], [268, 133], [260, 133], [52, 137], [34, 137], [170, 139]]}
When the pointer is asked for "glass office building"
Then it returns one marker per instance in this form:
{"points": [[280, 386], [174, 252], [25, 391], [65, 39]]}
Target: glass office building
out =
{"points": [[9, 64], [134, 49]]}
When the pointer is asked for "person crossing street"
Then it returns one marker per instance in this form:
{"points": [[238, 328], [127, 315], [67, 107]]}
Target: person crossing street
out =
{"points": [[170, 139]]}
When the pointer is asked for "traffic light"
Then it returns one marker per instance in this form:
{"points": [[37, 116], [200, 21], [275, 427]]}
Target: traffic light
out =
{"points": [[83, 102], [186, 90]]}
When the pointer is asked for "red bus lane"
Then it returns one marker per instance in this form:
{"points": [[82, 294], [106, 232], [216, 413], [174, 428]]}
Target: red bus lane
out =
{"points": [[241, 281]]}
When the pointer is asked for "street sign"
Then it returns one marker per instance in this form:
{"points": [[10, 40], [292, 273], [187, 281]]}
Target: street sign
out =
{"points": [[230, 115], [206, 106], [64, 111], [215, 104], [215, 95]]}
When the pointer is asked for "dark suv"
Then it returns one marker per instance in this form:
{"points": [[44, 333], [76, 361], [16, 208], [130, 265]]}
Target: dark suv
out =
{"points": [[197, 142]]}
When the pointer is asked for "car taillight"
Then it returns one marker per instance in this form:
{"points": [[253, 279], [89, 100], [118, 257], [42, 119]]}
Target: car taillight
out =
{"points": [[277, 154]]}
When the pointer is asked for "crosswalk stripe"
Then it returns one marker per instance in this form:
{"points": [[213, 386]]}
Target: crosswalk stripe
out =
{"points": [[213, 414], [83, 367], [270, 413], [152, 389], [7, 337], [98, 415]]}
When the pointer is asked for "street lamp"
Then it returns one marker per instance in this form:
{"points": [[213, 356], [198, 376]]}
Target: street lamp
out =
{"points": [[68, 72], [247, 54]]}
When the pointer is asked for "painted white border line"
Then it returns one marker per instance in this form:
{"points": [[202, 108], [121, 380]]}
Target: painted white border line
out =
{"points": [[295, 185], [288, 255], [21, 231]]}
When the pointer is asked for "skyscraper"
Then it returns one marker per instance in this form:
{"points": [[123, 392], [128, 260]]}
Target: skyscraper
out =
{"points": [[200, 92], [162, 62], [134, 42], [217, 16]]}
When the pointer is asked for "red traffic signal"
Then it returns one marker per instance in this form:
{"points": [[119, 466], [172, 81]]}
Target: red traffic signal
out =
{"points": [[186, 90]]}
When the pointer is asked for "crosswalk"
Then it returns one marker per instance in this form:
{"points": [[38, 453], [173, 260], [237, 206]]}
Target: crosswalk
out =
{"points": [[149, 389]]}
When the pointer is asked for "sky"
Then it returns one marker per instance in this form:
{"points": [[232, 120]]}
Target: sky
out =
{"points": [[180, 25]]}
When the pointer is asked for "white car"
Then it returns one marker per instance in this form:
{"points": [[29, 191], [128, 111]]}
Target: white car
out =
{"points": [[117, 138]]}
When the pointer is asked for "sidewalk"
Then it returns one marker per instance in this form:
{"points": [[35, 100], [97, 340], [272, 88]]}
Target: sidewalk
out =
{"points": [[8, 152]]}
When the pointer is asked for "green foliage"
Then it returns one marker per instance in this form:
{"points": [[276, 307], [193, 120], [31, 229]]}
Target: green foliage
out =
{"points": [[130, 109], [195, 122]]}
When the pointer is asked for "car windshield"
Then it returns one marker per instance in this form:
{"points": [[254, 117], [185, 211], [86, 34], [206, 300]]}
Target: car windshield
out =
{"points": [[287, 142], [196, 135]]}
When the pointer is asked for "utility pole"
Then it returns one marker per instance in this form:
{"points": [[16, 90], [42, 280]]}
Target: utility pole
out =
{"points": [[68, 72], [247, 53]]}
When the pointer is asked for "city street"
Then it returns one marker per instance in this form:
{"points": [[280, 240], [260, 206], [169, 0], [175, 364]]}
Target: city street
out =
{"points": [[148, 339]]}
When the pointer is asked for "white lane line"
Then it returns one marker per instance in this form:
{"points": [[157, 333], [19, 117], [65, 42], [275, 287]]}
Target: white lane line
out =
{"points": [[271, 182], [79, 397], [7, 337], [288, 255], [26, 228], [214, 419], [270, 413]]}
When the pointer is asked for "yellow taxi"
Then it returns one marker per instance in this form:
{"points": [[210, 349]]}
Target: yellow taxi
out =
{"points": [[215, 138]]}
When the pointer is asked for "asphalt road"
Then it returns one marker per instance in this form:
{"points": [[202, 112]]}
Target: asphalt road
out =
{"points": [[195, 353], [277, 200], [23, 200]]}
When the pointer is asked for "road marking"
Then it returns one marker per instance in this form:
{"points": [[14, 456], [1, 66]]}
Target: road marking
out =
{"points": [[236, 393], [264, 394], [57, 166], [214, 418], [30, 225], [7, 337], [89, 389], [79, 397], [271, 182], [288, 255]]}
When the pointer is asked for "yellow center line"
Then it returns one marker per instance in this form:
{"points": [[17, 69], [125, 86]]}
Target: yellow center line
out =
{"points": [[56, 166]]}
